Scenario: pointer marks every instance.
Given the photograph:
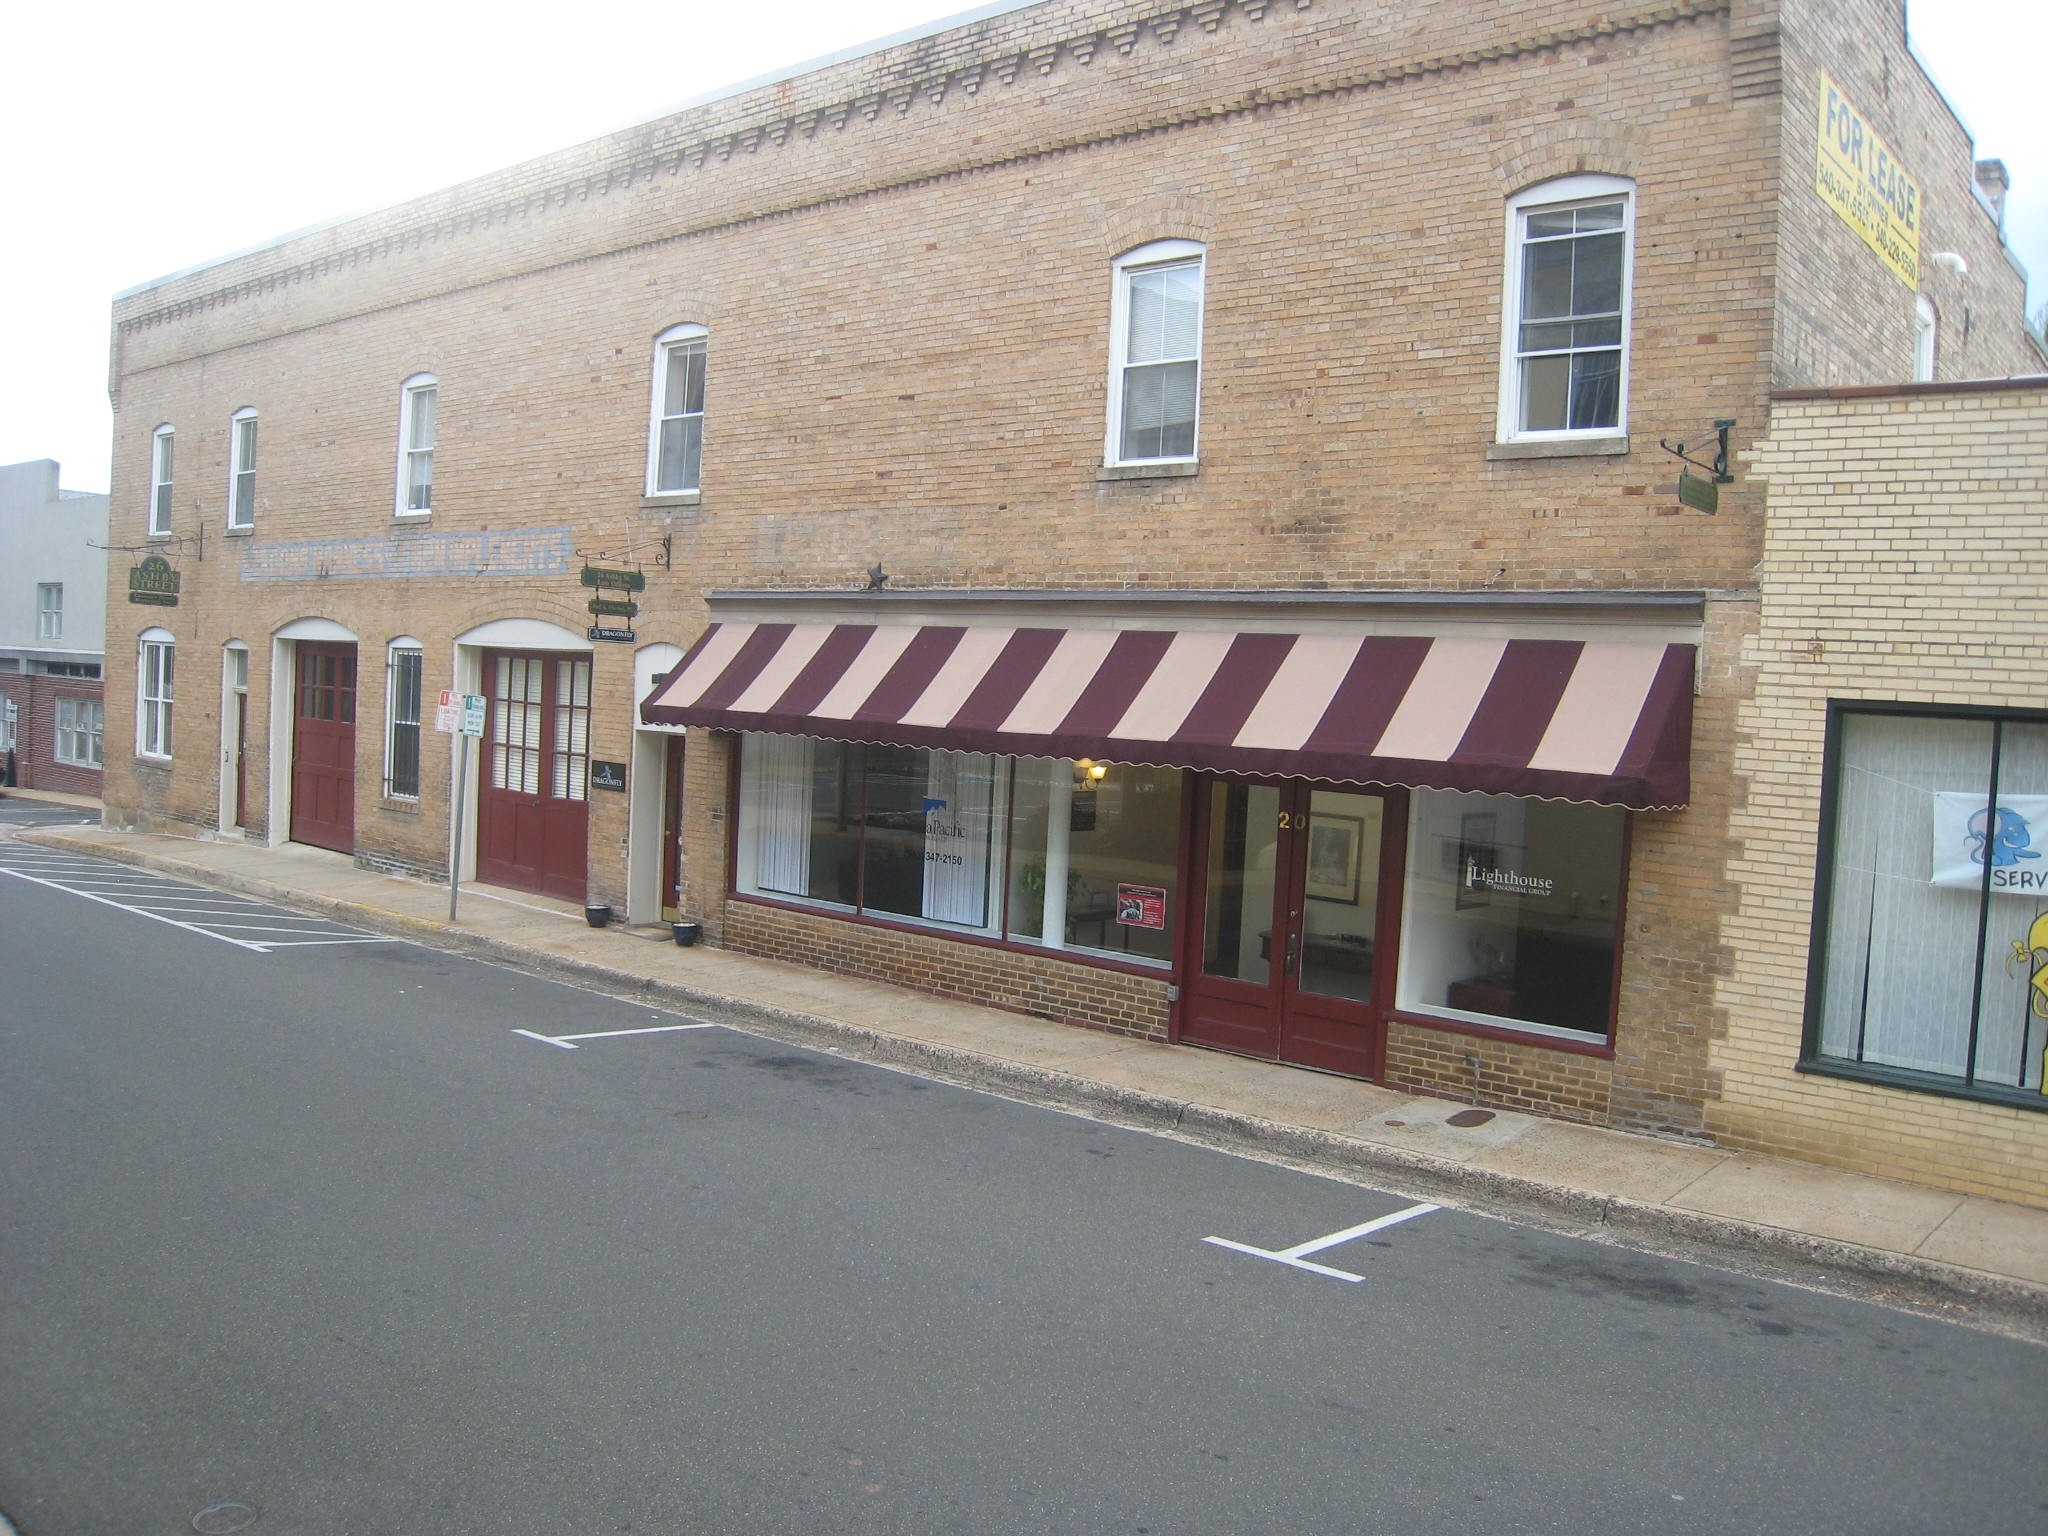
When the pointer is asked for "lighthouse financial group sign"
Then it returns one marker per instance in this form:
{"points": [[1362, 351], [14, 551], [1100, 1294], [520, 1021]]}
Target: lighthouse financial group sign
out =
{"points": [[2008, 836]]}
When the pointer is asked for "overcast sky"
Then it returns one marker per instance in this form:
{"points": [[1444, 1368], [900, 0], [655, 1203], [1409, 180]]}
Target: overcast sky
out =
{"points": [[141, 140]]}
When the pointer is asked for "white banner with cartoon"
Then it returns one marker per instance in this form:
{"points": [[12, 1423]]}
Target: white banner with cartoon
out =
{"points": [[2012, 837]]}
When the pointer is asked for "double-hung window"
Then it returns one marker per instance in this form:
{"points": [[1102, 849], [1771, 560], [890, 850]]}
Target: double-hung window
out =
{"points": [[80, 724], [675, 440], [160, 446], [417, 400], [242, 470], [49, 610], [1564, 354], [402, 720], [1155, 354], [153, 693]]}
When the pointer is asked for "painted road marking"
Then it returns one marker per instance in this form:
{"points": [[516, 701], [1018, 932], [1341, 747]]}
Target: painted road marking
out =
{"points": [[566, 1041], [249, 925], [1297, 1256]]}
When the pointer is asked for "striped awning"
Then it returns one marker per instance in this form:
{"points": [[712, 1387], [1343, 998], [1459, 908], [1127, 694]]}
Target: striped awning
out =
{"points": [[1601, 720]]}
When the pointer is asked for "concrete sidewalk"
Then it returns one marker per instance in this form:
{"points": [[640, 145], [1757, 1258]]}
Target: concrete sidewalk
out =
{"points": [[1976, 1260]]}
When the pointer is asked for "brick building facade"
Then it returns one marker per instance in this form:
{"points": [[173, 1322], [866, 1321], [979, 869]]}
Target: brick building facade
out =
{"points": [[1899, 640], [52, 628], [1147, 514]]}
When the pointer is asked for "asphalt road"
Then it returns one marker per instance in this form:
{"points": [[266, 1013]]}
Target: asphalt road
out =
{"points": [[314, 1237]]}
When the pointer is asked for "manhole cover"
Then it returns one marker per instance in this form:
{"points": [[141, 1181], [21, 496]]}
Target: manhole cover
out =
{"points": [[1465, 1119], [224, 1518]]}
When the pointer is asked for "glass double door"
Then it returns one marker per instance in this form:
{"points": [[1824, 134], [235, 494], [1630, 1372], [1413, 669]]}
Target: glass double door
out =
{"points": [[1287, 958]]}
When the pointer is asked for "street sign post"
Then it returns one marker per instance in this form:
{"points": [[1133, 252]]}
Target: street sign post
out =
{"points": [[461, 715]]}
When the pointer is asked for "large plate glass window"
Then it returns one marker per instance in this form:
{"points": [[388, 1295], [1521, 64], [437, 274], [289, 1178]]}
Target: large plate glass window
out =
{"points": [[1512, 912], [1090, 849], [1929, 966]]}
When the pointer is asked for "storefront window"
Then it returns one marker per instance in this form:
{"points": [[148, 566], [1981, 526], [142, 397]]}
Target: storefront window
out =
{"points": [[1931, 959], [1512, 913], [1095, 848], [1091, 849]]}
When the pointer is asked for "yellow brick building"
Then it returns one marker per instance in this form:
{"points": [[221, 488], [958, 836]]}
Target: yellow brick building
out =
{"points": [[1895, 1021], [1147, 514]]}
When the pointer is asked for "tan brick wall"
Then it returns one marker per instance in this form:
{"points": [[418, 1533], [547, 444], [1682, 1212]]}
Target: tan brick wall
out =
{"points": [[1501, 1073], [1904, 563], [903, 262], [1843, 316]]}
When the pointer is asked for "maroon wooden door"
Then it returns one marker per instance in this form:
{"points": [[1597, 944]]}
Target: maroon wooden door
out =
{"points": [[672, 831], [533, 798], [324, 747], [1292, 923]]}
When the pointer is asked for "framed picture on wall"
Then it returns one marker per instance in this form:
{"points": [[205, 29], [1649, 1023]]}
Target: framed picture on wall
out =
{"points": [[1333, 843]]}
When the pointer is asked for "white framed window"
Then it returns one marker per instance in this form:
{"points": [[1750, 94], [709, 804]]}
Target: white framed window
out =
{"points": [[49, 610], [417, 399], [242, 469], [405, 661], [80, 725], [161, 444], [154, 679], [1155, 354], [675, 438], [1565, 315], [1926, 326]]}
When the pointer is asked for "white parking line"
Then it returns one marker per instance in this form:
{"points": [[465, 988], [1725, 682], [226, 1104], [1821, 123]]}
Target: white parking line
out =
{"points": [[192, 908], [1297, 1256], [606, 1034]]}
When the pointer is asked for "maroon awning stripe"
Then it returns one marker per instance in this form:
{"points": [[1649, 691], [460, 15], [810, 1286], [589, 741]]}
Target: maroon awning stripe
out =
{"points": [[759, 650], [1518, 704], [1601, 720], [1234, 692], [913, 673], [1366, 700]]}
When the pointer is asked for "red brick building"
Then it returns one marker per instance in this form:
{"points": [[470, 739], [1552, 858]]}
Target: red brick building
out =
{"points": [[52, 624]]}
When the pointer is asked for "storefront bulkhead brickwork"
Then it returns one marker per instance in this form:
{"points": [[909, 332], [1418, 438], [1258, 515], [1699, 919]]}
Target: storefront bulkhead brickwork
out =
{"points": [[899, 275]]}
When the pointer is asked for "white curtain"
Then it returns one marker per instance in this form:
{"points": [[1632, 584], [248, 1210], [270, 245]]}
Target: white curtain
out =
{"points": [[959, 801], [778, 779], [1902, 964]]}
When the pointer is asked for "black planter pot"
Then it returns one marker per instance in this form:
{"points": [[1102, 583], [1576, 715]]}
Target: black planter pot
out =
{"points": [[597, 917], [687, 933]]}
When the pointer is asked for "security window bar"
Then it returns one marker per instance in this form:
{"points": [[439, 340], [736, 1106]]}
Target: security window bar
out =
{"points": [[402, 746], [1568, 347]]}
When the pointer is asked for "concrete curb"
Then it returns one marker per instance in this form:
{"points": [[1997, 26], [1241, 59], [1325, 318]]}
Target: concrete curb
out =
{"points": [[2002, 1303]]}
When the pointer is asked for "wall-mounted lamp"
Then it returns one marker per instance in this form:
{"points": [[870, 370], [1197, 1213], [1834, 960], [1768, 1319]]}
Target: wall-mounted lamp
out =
{"points": [[1952, 261], [1088, 773]]}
